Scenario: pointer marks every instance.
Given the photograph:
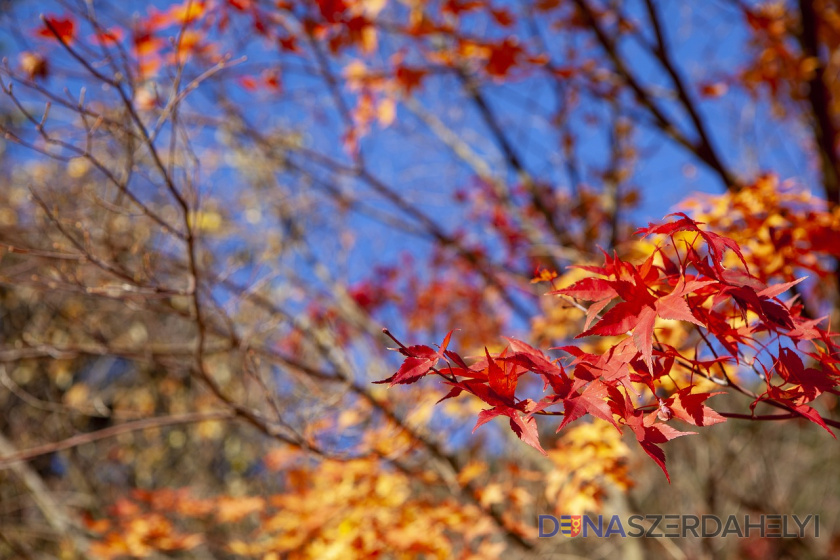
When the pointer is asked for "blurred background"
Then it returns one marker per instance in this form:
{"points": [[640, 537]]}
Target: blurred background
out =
{"points": [[210, 209]]}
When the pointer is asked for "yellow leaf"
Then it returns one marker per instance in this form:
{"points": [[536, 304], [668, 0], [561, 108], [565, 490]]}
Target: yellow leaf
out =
{"points": [[492, 494], [471, 471], [234, 509], [386, 111]]}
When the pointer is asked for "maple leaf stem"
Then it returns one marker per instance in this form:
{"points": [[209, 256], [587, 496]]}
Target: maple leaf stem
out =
{"points": [[387, 333], [729, 381], [759, 416], [715, 354], [693, 369], [677, 252], [451, 378], [577, 305], [783, 406], [735, 386], [789, 416]]}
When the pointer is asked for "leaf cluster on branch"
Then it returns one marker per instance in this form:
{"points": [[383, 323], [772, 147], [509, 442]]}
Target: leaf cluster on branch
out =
{"points": [[740, 321]]}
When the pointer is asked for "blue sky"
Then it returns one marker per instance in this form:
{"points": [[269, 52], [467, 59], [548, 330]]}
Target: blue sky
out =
{"points": [[707, 43]]}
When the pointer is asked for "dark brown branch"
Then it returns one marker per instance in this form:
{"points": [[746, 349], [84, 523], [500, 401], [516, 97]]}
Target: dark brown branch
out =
{"points": [[819, 98], [825, 130], [703, 147], [790, 416], [645, 100], [515, 162], [112, 431]]}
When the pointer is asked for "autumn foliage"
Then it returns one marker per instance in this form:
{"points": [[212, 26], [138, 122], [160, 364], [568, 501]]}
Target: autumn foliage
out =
{"points": [[364, 278], [641, 382]]}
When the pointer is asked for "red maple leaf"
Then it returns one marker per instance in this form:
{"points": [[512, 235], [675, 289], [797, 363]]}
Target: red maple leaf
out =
{"points": [[503, 57], [593, 311], [592, 400], [674, 306], [525, 427], [332, 10], [589, 289], [811, 414], [643, 334], [60, 28], [775, 290], [535, 361], [647, 433], [717, 244], [240, 5], [639, 314], [690, 408], [418, 362], [502, 379], [455, 7], [649, 436], [620, 319], [408, 78], [475, 387]]}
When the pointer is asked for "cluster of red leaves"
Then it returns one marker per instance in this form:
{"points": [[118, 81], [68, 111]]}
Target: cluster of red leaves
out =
{"points": [[624, 384], [158, 37]]}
